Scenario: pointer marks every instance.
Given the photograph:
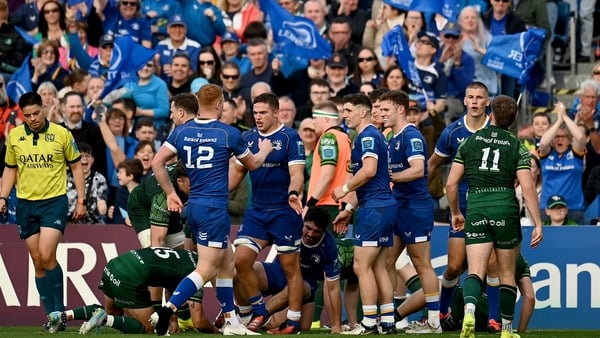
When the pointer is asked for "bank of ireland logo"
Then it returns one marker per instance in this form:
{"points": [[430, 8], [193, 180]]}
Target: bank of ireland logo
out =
{"points": [[299, 33]]}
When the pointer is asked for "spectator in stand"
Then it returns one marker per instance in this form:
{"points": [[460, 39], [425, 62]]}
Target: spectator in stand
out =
{"points": [[387, 18], [160, 14], [94, 89], [319, 92], [340, 34], [145, 152], [119, 145], [181, 75], [366, 88], [367, 68], [26, 16], [292, 6], [501, 20], [534, 13], [84, 132], [262, 70], [202, 13], [10, 115], [232, 115], [316, 11], [287, 112], [175, 44], [586, 105], [209, 65], [77, 81], [584, 12], [295, 86], [459, 68], [128, 106], [475, 40], [48, 93], [145, 130], [231, 51], [150, 94], [434, 82], [239, 14], [52, 26], [561, 151], [306, 130], [124, 18], [394, 79], [230, 77], [96, 190], [129, 175], [82, 32], [557, 211], [540, 122], [356, 18], [46, 66], [414, 22], [13, 48], [577, 103], [337, 72]]}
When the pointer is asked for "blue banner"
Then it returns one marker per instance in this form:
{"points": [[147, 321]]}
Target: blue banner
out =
{"points": [[20, 81], [28, 38], [295, 35], [515, 55], [565, 271], [426, 6]]}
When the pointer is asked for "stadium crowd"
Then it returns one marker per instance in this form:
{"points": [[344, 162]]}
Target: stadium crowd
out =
{"points": [[135, 81]]}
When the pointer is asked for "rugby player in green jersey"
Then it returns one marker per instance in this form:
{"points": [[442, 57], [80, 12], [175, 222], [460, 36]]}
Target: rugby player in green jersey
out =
{"points": [[492, 158], [127, 302]]}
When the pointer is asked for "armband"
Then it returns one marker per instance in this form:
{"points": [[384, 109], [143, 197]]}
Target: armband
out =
{"points": [[294, 193], [345, 189]]}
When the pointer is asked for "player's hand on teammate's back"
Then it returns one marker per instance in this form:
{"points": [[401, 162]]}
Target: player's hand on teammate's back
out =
{"points": [[458, 222], [536, 237], [174, 203]]}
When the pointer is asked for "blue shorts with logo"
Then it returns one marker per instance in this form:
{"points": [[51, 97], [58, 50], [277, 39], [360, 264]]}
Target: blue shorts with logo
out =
{"points": [[283, 227], [415, 223], [374, 226], [209, 225]]}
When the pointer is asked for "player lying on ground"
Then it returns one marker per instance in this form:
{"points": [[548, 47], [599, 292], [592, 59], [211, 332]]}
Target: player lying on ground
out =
{"points": [[127, 303]]}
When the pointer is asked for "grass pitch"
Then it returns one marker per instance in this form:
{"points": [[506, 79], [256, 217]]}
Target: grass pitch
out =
{"points": [[29, 331]]}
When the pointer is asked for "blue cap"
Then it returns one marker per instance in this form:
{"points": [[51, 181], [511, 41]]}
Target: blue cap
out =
{"points": [[451, 28], [230, 36], [197, 84], [177, 20]]}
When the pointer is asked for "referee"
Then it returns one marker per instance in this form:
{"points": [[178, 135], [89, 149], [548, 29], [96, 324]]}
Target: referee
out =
{"points": [[37, 155]]}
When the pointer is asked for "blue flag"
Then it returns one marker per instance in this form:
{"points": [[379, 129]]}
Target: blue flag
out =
{"points": [[28, 38], [20, 81], [78, 14], [394, 43], [128, 57], [426, 6], [450, 10], [515, 55], [295, 35]]}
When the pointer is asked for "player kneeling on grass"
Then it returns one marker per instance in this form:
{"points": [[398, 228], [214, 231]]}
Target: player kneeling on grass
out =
{"points": [[127, 303], [318, 260]]}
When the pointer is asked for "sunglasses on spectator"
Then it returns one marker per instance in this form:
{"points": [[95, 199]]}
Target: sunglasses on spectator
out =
{"points": [[368, 59], [505, 1], [52, 10], [596, 72], [425, 42], [209, 62], [129, 3], [230, 77], [107, 46]]}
